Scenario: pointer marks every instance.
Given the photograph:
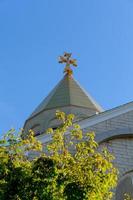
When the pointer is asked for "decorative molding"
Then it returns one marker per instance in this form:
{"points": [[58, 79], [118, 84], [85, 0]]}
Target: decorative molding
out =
{"points": [[115, 133], [106, 115], [100, 118]]}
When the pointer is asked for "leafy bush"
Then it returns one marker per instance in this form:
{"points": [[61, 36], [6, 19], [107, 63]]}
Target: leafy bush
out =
{"points": [[73, 168]]}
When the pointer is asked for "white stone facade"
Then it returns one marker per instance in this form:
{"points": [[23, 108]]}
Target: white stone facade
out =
{"points": [[115, 131]]}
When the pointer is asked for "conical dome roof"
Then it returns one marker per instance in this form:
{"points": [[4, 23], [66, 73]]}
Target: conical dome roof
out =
{"points": [[67, 93], [68, 96]]}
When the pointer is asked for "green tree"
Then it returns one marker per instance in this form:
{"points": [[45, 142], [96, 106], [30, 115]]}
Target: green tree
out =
{"points": [[86, 173], [15, 167], [71, 167]]}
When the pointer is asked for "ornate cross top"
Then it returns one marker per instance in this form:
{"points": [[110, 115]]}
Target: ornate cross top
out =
{"points": [[66, 58]]}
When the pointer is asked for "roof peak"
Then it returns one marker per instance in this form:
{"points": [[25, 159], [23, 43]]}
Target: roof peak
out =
{"points": [[67, 92]]}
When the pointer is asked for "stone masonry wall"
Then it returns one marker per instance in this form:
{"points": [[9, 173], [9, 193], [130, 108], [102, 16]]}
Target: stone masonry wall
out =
{"points": [[119, 122], [122, 149]]}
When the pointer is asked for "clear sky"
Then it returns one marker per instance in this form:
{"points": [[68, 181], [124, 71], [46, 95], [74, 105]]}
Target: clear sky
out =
{"points": [[33, 33]]}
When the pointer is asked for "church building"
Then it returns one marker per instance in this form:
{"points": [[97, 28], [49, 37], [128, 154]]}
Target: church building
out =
{"points": [[113, 128]]}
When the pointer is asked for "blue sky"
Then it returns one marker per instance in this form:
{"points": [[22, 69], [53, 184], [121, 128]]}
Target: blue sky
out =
{"points": [[34, 33]]}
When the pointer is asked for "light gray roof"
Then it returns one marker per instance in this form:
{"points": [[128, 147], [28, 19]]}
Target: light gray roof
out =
{"points": [[67, 92]]}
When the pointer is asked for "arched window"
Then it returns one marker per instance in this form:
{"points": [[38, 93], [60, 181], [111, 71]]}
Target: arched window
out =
{"points": [[54, 123], [36, 129], [125, 186]]}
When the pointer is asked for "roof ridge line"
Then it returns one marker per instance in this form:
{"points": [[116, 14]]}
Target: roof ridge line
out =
{"points": [[90, 97], [69, 87], [46, 98], [116, 111]]}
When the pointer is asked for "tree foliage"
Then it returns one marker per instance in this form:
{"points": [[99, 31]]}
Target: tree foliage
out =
{"points": [[128, 197], [70, 167]]}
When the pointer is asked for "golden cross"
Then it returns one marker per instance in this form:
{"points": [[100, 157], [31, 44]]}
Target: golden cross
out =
{"points": [[66, 58]]}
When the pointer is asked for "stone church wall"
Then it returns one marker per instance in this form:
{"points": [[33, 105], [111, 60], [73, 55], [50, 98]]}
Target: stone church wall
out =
{"points": [[120, 145], [122, 149], [122, 121]]}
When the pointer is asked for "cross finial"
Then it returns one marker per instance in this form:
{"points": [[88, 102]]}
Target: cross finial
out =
{"points": [[66, 58]]}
